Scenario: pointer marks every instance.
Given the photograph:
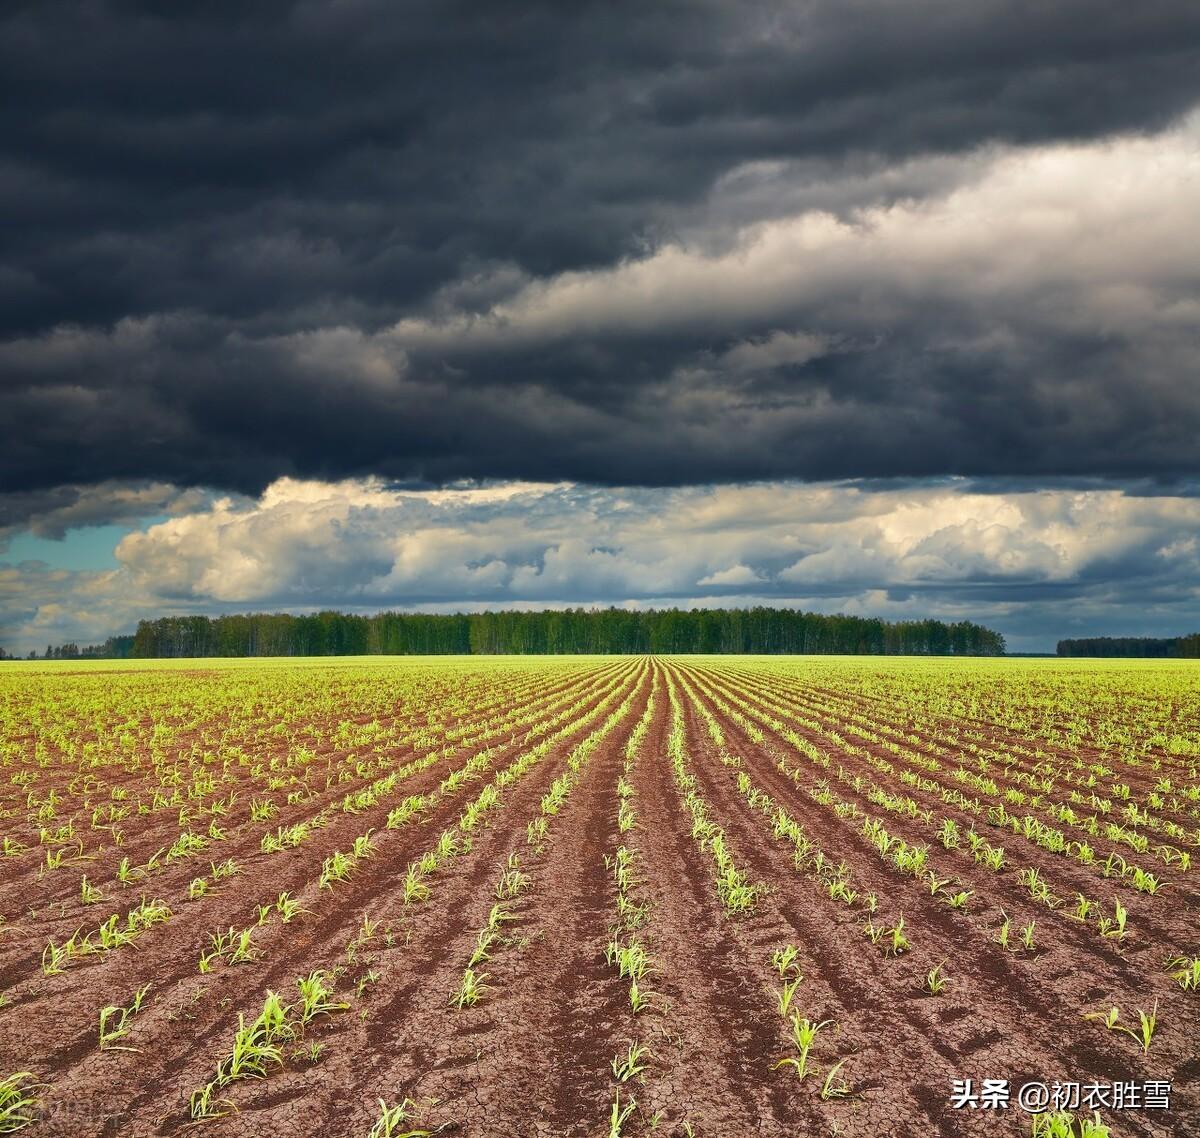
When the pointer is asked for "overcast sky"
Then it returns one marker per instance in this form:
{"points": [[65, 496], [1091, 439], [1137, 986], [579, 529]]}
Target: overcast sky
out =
{"points": [[878, 306]]}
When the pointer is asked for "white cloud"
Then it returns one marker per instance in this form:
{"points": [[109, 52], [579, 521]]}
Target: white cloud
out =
{"points": [[924, 549]]}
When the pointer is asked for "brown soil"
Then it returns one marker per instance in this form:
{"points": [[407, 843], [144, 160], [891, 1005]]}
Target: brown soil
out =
{"points": [[532, 1057]]}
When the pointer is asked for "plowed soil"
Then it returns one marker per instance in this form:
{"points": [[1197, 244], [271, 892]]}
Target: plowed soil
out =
{"points": [[534, 1055]]}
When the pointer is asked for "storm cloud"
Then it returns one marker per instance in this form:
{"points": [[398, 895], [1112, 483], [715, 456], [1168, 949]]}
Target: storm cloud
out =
{"points": [[868, 306], [661, 244]]}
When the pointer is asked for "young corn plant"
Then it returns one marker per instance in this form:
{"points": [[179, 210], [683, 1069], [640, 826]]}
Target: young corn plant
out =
{"points": [[1114, 927], [470, 990], [618, 1115], [114, 1022], [833, 1086], [1143, 1033], [1063, 1124], [1185, 971], [897, 942], [392, 1119], [18, 1101], [316, 992], [935, 980], [784, 960], [785, 995], [632, 1062], [288, 907], [804, 1035], [88, 892]]}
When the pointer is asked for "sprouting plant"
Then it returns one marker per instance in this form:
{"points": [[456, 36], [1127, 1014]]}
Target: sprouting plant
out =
{"points": [[1185, 971], [470, 990], [18, 1103], [1062, 1124], [784, 959], [785, 994], [833, 1087], [624, 1067], [1002, 935], [203, 1103], [336, 867], [1147, 882], [958, 900], [1083, 908], [197, 888], [637, 998], [1027, 936], [935, 979], [899, 942], [362, 845], [114, 1021], [391, 1118], [416, 888], [512, 879], [288, 907], [1148, 1023], [88, 892], [804, 1034], [316, 991], [1114, 926], [55, 956], [618, 1115], [1144, 1033], [242, 950]]}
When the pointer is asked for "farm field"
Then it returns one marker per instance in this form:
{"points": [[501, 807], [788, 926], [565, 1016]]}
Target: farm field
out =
{"points": [[598, 896]]}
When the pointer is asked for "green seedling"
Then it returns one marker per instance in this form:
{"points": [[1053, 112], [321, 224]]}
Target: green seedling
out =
{"points": [[88, 892], [288, 907], [804, 1034], [114, 1022], [18, 1102], [899, 942], [392, 1118], [470, 990], [784, 960], [1064, 1125], [1114, 926], [316, 990], [624, 1067], [1144, 1033], [833, 1087], [1185, 971], [935, 980], [618, 1115], [784, 995]]}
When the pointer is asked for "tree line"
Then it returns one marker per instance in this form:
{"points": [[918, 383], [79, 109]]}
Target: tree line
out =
{"points": [[558, 631], [114, 648], [1134, 647]]}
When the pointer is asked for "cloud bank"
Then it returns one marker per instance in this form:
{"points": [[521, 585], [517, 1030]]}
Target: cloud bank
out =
{"points": [[951, 550], [848, 303]]}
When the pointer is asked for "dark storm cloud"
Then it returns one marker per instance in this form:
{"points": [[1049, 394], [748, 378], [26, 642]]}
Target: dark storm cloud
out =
{"points": [[248, 240]]}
